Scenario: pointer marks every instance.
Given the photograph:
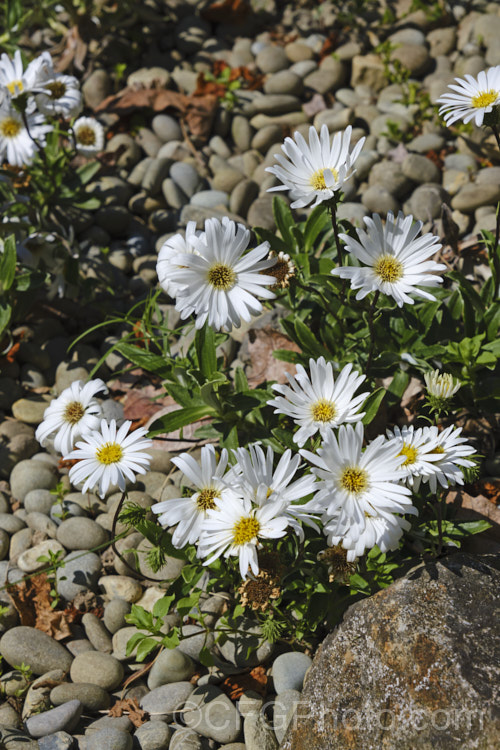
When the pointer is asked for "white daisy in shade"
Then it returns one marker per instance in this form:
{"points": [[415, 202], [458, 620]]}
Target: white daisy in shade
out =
{"points": [[472, 98], [61, 96], [441, 385], [254, 472], [219, 282], [237, 528], [319, 402], [89, 136], [17, 144], [16, 80], [176, 245], [314, 171], [107, 457], [451, 450], [417, 446], [189, 513], [356, 485], [384, 532], [74, 412], [395, 261]]}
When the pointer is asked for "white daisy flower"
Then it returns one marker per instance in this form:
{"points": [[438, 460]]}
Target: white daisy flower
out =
{"points": [[451, 450], [378, 530], [417, 452], [236, 528], [16, 80], [319, 402], [74, 412], [176, 245], [395, 261], [441, 385], [190, 513], [314, 171], [61, 96], [254, 473], [472, 98], [16, 143], [89, 136], [356, 485], [108, 456], [219, 281]]}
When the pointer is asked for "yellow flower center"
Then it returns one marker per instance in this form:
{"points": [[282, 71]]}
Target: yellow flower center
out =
{"points": [[410, 453], [57, 89], [317, 180], [109, 453], [10, 127], [206, 499], [484, 99], [221, 277], [323, 410], [438, 449], [245, 530], [15, 87], [74, 412], [389, 268], [353, 479], [85, 135]]}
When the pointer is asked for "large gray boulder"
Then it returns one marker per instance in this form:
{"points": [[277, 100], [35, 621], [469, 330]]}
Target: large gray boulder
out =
{"points": [[416, 665]]}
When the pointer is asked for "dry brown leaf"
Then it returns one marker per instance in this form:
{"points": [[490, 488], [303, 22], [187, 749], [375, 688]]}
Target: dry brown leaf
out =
{"points": [[258, 348], [129, 707], [227, 11], [235, 685], [197, 111], [32, 600]]}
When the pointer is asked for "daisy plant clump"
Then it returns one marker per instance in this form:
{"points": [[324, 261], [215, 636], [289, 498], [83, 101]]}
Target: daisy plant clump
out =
{"points": [[40, 181], [318, 469]]}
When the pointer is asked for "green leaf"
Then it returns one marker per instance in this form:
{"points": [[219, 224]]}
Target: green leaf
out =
{"points": [[317, 220], [89, 204], [285, 355], [5, 315], [86, 172], [397, 387], [240, 380], [145, 647], [171, 640], [140, 617], [179, 418], [308, 341], [142, 358], [162, 606], [205, 350], [372, 405], [205, 657], [284, 221], [133, 641], [8, 261], [276, 243], [285, 437]]}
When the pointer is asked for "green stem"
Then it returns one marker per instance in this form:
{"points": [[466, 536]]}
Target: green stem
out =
{"points": [[371, 314]]}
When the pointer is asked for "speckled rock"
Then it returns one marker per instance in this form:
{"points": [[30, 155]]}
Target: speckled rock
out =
{"points": [[33, 647], [92, 697], [210, 712], [153, 735], [413, 666], [97, 668], [63, 717], [81, 533], [31, 475]]}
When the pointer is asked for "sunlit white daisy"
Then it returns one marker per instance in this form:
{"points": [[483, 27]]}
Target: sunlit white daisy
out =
{"points": [[452, 450], [74, 412], [237, 528], [107, 457], [472, 98], [89, 136], [319, 402], [255, 474], [378, 530], [314, 171], [355, 485], [395, 261], [177, 245], [61, 96], [17, 142], [219, 282], [190, 513], [417, 452], [15, 80], [441, 385]]}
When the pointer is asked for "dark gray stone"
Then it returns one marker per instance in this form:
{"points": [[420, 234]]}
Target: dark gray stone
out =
{"points": [[64, 717], [33, 647], [81, 534], [92, 697], [57, 741], [111, 739], [80, 573]]}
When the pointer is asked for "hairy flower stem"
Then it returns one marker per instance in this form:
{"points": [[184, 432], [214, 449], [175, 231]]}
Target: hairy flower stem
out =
{"points": [[333, 214], [496, 134], [371, 314]]}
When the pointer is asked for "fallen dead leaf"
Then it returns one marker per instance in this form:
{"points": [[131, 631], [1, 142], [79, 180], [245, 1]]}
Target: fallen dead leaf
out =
{"points": [[129, 707], [235, 685], [257, 349], [475, 508], [31, 598]]}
